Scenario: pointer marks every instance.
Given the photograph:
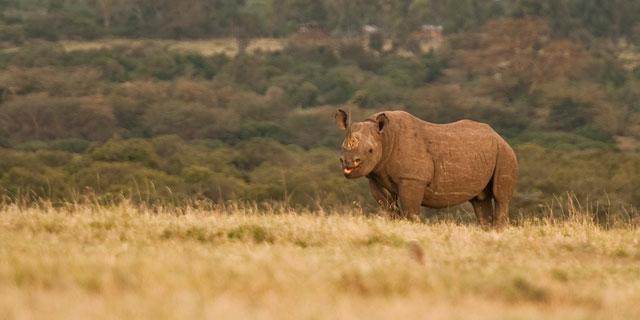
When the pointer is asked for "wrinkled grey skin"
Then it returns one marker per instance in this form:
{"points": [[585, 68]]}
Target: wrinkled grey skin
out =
{"points": [[415, 163]]}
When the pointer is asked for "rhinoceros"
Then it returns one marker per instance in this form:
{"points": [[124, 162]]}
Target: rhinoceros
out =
{"points": [[417, 163]]}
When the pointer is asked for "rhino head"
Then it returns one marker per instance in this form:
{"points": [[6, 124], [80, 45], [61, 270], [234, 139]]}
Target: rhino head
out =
{"points": [[362, 145]]}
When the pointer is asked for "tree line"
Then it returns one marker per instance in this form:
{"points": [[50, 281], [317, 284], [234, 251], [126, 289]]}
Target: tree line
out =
{"points": [[90, 19]]}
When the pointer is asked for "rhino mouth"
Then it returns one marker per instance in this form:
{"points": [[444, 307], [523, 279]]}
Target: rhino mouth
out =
{"points": [[349, 170]]}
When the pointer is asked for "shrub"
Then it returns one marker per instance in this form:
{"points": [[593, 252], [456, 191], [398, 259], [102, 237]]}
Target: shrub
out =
{"points": [[189, 120], [299, 91], [146, 92], [433, 66], [441, 103], [53, 158], [247, 71], [402, 71], [595, 134], [74, 145], [12, 34], [251, 129], [126, 179], [377, 92], [69, 25], [376, 41], [188, 90], [569, 114], [4, 141], [354, 52], [131, 150], [145, 60], [59, 82], [313, 127], [507, 121], [306, 94], [173, 153], [321, 54], [37, 54], [335, 87], [252, 153], [31, 145], [21, 183], [40, 117], [213, 185], [546, 174], [205, 67], [162, 66], [112, 69], [129, 115], [560, 140]]}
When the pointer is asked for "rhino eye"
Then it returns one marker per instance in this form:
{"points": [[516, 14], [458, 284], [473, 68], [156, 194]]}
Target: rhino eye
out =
{"points": [[370, 150]]}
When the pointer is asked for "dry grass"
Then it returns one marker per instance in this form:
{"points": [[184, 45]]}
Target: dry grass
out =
{"points": [[629, 55], [228, 46], [127, 262], [210, 47]]}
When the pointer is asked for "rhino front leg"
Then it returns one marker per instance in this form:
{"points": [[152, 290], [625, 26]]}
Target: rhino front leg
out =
{"points": [[411, 193], [383, 197]]}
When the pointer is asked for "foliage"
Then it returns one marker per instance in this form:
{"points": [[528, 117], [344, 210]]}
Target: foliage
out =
{"points": [[145, 121], [52, 19]]}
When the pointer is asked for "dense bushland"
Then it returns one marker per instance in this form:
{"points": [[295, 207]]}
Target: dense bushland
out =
{"points": [[244, 19], [152, 124]]}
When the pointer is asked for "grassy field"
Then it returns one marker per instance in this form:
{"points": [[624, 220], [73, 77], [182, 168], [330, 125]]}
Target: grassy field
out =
{"points": [[97, 262]]}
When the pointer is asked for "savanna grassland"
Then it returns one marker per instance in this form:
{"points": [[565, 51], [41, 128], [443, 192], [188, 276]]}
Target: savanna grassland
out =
{"points": [[124, 261]]}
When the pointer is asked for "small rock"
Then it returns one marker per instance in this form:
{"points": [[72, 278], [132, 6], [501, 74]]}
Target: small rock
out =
{"points": [[416, 252]]}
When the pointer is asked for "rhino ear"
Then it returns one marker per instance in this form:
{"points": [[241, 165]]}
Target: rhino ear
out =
{"points": [[342, 119], [382, 122]]}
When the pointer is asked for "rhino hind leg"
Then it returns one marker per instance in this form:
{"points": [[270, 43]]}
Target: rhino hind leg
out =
{"points": [[504, 183], [483, 208]]}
